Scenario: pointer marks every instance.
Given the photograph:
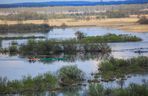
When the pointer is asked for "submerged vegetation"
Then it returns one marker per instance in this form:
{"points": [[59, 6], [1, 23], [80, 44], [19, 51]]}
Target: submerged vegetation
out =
{"points": [[131, 90], [115, 68], [24, 28]]}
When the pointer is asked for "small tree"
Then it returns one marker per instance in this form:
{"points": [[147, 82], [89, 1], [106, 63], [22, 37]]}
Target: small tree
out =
{"points": [[79, 35]]}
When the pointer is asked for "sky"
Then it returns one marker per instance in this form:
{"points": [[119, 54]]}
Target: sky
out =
{"points": [[21, 1]]}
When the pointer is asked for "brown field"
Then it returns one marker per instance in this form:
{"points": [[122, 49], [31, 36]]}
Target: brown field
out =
{"points": [[128, 24]]}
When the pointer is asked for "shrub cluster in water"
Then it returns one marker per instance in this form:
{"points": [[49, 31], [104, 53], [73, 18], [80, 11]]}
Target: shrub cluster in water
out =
{"points": [[70, 75], [119, 67], [54, 47], [85, 44], [111, 38]]}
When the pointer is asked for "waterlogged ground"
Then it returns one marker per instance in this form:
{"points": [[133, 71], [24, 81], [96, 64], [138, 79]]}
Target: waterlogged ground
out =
{"points": [[14, 67]]}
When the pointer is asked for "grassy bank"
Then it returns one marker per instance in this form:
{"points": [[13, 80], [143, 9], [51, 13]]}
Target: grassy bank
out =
{"points": [[24, 28], [127, 24], [118, 68]]}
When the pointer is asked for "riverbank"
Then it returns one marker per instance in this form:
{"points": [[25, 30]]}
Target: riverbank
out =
{"points": [[127, 24], [24, 28]]}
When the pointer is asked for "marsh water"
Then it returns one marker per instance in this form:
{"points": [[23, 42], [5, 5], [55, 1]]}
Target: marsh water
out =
{"points": [[14, 67]]}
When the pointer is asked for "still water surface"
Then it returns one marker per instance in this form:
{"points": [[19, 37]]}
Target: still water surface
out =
{"points": [[14, 67]]}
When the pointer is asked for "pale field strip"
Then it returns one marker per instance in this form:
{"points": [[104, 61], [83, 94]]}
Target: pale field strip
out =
{"points": [[127, 24]]}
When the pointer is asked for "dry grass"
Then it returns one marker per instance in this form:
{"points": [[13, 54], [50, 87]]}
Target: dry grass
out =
{"points": [[128, 24]]}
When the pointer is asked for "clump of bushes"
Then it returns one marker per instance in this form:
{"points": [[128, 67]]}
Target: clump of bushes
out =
{"points": [[70, 75], [13, 49], [80, 35], [82, 44], [54, 47], [116, 67], [143, 20]]}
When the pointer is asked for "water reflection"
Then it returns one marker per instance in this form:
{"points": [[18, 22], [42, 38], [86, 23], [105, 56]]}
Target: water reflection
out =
{"points": [[79, 56]]}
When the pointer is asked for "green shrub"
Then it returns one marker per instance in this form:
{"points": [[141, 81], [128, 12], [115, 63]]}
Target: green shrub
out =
{"points": [[116, 67], [13, 49], [70, 74]]}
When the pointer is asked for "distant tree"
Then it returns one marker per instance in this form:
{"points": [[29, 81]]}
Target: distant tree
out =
{"points": [[79, 35]]}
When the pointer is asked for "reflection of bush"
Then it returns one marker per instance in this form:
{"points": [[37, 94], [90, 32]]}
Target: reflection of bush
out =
{"points": [[72, 57]]}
